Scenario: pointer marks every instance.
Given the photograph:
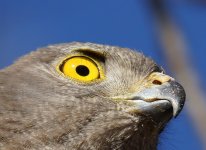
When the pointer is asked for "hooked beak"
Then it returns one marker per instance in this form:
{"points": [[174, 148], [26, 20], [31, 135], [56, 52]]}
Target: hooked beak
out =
{"points": [[160, 94], [170, 91]]}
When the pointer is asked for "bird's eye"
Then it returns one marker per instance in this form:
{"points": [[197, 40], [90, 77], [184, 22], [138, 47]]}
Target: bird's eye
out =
{"points": [[81, 68]]}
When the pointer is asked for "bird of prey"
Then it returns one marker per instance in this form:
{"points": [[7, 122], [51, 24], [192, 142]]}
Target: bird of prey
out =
{"points": [[85, 96]]}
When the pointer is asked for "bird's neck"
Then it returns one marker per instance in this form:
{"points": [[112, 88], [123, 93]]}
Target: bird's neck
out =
{"points": [[145, 138], [134, 135]]}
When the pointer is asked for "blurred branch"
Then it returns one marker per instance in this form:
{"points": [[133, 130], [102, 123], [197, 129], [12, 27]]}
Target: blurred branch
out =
{"points": [[175, 52]]}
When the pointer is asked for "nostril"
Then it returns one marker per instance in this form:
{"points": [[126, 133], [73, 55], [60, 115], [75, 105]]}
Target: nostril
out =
{"points": [[157, 82]]}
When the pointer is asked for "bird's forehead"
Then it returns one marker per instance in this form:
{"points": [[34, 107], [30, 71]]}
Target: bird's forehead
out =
{"points": [[69, 47], [102, 49], [121, 55]]}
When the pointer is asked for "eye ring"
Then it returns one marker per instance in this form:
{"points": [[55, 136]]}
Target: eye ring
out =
{"points": [[81, 68]]}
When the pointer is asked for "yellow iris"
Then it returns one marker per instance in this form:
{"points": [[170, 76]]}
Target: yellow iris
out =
{"points": [[81, 68]]}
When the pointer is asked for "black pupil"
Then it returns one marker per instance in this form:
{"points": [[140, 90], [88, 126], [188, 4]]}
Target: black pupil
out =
{"points": [[82, 70]]}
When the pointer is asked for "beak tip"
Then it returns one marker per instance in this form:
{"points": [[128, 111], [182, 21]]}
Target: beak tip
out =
{"points": [[177, 108], [176, 96]]}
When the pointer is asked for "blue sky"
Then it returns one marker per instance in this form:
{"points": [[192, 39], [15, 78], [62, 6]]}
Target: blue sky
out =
{"points": [[27, 25]]}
